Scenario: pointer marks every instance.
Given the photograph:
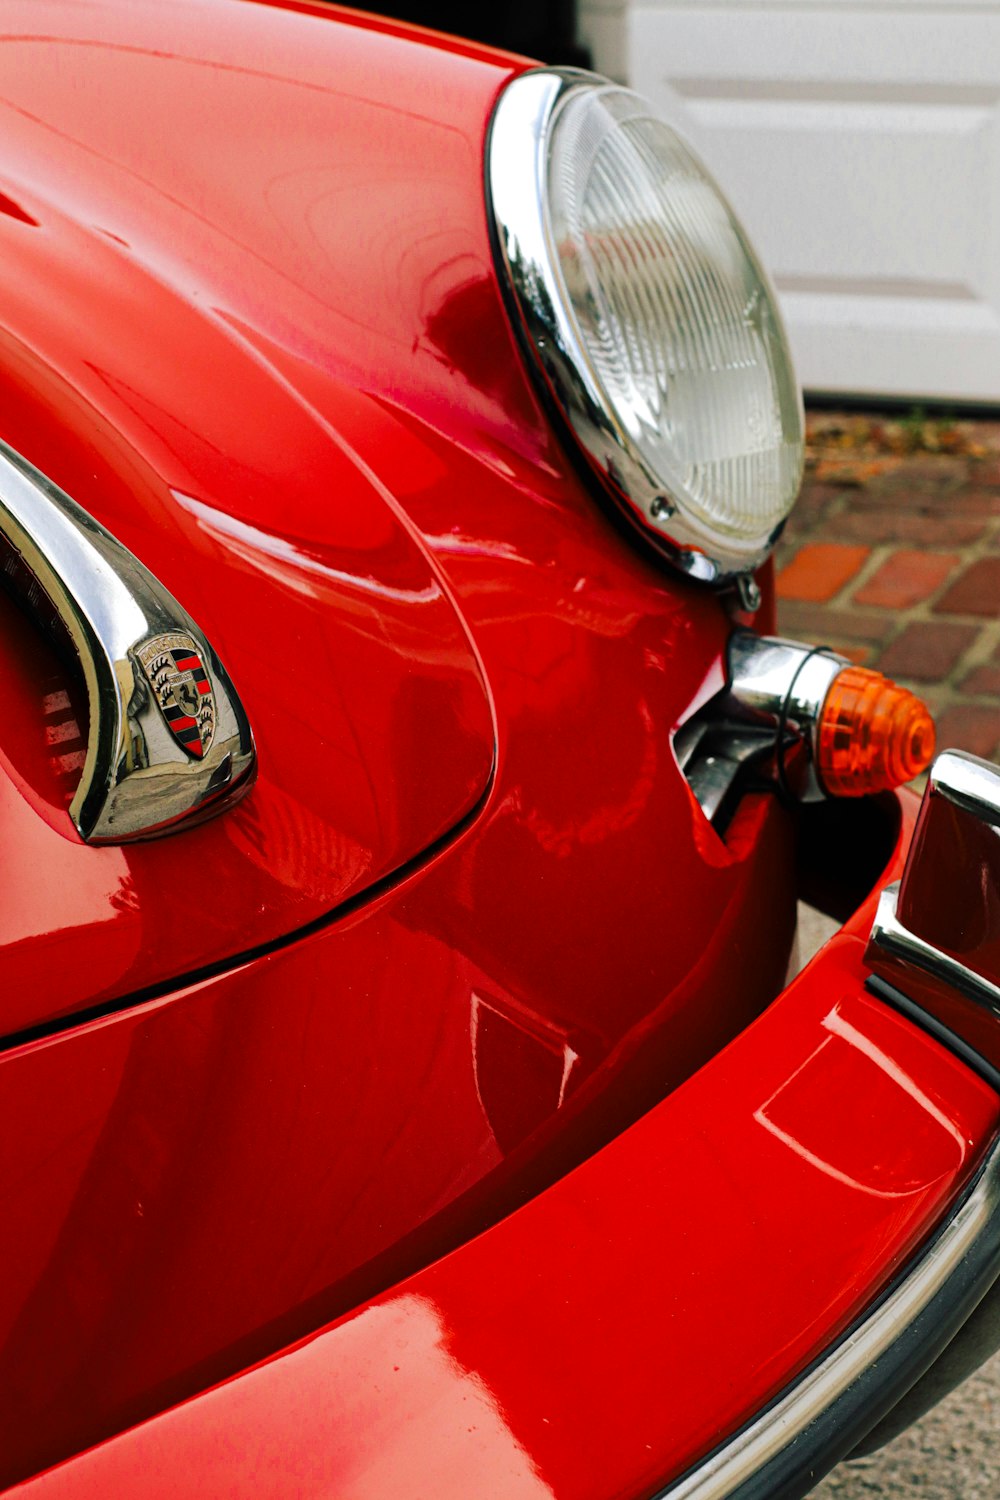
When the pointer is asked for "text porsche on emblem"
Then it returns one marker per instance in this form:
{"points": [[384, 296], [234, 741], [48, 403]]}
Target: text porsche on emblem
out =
{"points": [[182, 689]]}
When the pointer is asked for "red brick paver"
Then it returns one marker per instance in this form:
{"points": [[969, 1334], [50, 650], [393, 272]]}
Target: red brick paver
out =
{"points": [[926, 651], [899, 524], [975, 592], [820, 570], [982, 682], [906, 578], [971, 726], [893, 557]]}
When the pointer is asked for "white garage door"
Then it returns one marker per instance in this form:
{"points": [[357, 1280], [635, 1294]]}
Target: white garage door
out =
{"points": [[861, 144]]}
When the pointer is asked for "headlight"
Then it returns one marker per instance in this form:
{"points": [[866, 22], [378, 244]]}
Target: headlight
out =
{"points": [[650, 316]]}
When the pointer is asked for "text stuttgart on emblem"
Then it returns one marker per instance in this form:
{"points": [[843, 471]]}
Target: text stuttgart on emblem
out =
{"points": [[182, 689]]}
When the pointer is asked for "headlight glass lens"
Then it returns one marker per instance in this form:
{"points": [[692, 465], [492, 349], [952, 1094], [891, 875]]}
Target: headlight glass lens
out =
{"points": [[681, 388]]}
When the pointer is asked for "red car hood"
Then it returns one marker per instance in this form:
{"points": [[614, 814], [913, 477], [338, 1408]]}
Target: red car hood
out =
{"points": [[172, 293], [250, 321]]}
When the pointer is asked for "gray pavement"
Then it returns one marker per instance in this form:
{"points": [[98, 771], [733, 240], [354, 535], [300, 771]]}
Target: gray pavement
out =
{"points": [[953, 1453]]}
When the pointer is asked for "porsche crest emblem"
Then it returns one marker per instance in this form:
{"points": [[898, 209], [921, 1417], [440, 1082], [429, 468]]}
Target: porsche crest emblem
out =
{"points": [[182, 690]]}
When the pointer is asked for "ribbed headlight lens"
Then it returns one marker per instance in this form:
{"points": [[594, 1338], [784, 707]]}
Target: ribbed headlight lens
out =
{"points": [[650, 315]]}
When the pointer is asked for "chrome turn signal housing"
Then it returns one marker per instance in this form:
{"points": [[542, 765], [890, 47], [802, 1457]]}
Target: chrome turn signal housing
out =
{"points": [[808, 719]]}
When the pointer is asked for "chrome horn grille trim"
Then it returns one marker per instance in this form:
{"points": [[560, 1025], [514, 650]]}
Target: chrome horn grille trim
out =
{"points": [[168, 740]]}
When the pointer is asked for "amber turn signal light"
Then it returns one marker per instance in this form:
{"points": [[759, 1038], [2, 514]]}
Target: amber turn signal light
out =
{"points": [[872, 735]]}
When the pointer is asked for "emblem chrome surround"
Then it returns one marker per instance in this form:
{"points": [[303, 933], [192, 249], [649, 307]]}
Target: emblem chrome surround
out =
{"points": [[168, 741]]}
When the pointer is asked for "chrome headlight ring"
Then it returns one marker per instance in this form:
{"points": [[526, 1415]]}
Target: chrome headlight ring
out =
{"points": [[646, 313]]}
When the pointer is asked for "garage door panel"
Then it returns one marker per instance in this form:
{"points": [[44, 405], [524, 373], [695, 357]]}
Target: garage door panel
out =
{"points": [[905, 183], [861, 144]]}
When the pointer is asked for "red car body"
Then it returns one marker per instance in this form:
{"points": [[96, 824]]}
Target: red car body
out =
{"points": [[427, 1120]]}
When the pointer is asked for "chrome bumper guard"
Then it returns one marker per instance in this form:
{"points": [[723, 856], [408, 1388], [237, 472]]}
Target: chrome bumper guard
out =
{"points": [[787, 1449], [940, 926]]}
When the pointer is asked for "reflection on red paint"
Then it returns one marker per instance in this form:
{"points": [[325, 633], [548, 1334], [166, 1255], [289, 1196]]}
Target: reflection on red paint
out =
{"points": [[851, 1079], [13, 210], [510, 1041], [391, 1372]]}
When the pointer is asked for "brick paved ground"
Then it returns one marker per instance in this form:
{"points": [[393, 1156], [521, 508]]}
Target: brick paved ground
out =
{"points": [[893, 556]]}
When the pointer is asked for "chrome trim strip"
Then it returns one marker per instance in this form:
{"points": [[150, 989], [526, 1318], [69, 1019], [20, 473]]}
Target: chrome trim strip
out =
{"points": [[889, 936], [787, 1449], [140, 777]]}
